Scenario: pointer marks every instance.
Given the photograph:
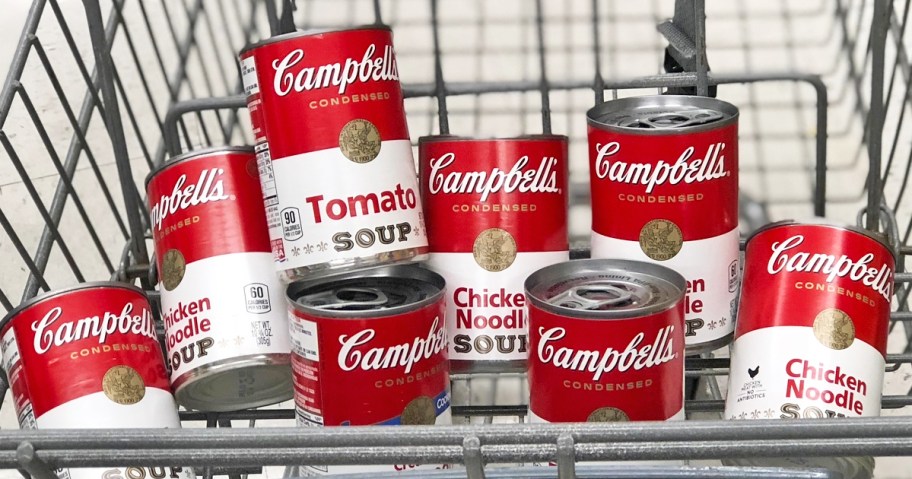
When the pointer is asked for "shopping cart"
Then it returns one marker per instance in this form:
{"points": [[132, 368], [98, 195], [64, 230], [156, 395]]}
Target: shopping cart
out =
{"points": [[96, 97]]}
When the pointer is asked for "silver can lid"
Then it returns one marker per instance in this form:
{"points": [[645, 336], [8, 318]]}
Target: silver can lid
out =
{"points": [[662, 114], [376, 292], [605, 288]]}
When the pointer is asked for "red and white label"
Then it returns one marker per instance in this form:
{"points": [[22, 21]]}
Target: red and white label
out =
{"points": [[321, 205], [377, 371], [16, 380], [690, 180], [812, 327], [586, 370], [228, 302], [469, 187]]}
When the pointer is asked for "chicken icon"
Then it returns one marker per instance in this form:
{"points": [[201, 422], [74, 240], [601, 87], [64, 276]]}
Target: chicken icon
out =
{"points": [[753, 372]]}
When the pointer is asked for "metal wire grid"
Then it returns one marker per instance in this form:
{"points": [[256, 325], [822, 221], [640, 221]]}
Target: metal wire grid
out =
{"points": [[548, 93]]}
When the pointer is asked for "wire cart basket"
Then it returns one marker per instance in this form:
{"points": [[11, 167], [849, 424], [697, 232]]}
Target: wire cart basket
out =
{"points": [[99, 93]]}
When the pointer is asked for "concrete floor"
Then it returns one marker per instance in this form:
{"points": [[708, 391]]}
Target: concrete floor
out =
{"points": [[495, 41]]}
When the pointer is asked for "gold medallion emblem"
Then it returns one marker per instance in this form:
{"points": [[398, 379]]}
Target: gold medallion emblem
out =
{"points": [[661, 239], [123, 385], [834, 329], [608, 414], [360, 141], [419, 412], [173, 269], [494, 249]]}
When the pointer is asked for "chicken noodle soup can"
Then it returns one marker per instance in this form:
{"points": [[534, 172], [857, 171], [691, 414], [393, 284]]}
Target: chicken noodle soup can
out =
{"points": [[335, 161], [606, 342], [664, 182], [496, 211], [370, 348], [812, 329], [90, 358], [226, 325]]}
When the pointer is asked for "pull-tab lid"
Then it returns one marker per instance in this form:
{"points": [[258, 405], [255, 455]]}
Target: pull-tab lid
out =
{"points": [[662, 114], [667, 119], [605, 289]]}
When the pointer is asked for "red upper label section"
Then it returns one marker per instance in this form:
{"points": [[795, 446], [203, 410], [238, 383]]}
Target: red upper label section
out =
{"points": [[689, 179], [793, 272], [208, 206], [67, 343], [370, 370], [516, 185], [311, 86], [577, 366]]}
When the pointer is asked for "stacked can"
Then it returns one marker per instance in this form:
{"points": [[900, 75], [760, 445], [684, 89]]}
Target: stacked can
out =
{"points": [[370, 347], [812, 330], [335, 160], [496, 211], [90, 358], [223, 306], [664, 181]]}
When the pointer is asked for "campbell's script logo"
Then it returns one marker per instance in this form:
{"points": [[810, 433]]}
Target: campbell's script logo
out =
{"points": [[686, 169], [786, 258], [357, 354], [288, 79], [636, 355], [101, 326], [208, 188], [541, 179]]}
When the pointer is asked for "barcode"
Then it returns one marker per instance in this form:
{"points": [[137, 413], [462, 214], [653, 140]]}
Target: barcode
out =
{"points": [[262, 332]]}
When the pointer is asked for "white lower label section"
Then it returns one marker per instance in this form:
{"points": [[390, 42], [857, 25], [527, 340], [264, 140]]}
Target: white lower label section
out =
{"points": [[444, 419], [679, 416], [786, 373], [224, 307], [487, 318], [157, 409], [329, 208], [711, 269]]}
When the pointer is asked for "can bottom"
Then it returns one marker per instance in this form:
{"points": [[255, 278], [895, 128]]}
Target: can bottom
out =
{"points": [[850, 467], [459, 366], [708, 347], [236, 383], [335, 266]]}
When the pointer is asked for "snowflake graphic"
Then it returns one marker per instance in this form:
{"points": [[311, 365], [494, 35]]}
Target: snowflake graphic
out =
{"points": [[322, 246], [743, 415], [713, 324], [296, 251], [239, 340], [722, 322], [309, 248], [223, 342], [769, 413], [755, 414]]}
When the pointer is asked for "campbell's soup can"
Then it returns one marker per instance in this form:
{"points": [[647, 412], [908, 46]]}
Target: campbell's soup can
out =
{"points": [[226, 326], [812, 330], [496, 211], [90, 359], [607, 342], [664, 182], [370, 348], [335, 160]]}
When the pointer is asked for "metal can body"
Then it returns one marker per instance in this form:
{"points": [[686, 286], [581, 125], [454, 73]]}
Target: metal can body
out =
{"points": [[369, 348], [90, 358], [606, 341], [335, 160], [664, 182], [812, 329], [226, 328], [496, 211]]}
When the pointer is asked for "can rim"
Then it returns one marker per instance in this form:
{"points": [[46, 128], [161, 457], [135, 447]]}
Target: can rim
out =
{"points": [[470, 139], [193, 155], [878, 237], [310, 33], [7, 320], [620, 104], [656, 271], [407, 271]]}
